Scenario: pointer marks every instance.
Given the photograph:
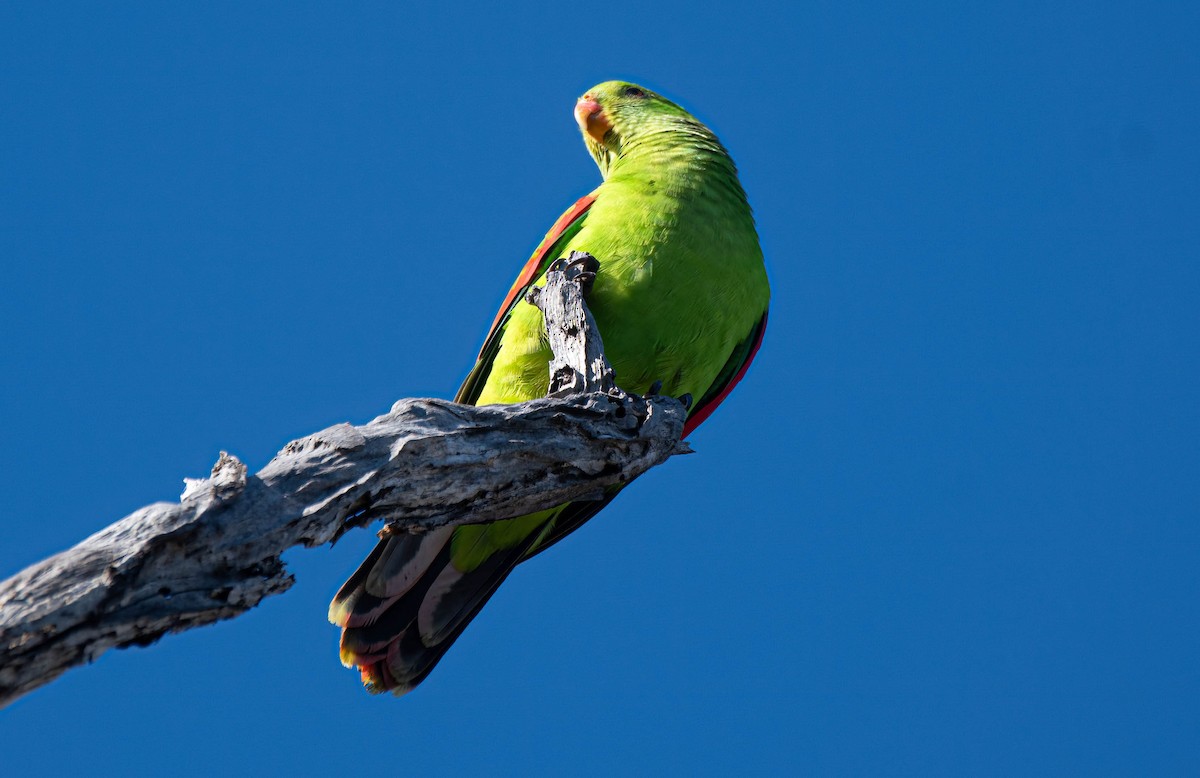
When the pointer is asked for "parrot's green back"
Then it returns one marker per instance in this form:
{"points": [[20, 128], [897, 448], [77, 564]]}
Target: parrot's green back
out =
{"points": [[681, 297]]}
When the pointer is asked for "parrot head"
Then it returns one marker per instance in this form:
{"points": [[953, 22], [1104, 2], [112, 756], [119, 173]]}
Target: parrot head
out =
{"points": [[616, 115]]}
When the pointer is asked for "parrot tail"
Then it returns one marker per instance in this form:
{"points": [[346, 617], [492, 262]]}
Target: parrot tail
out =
{"points": [[414, 594], [408, 602]]}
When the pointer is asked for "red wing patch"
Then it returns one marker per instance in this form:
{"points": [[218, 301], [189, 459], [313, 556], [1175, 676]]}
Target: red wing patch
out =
{"points": [[533, 267], [702, 413]]}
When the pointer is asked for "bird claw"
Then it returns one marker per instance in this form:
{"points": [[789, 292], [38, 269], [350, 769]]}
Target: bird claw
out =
{"points": [[656, 389], [579, 267]]}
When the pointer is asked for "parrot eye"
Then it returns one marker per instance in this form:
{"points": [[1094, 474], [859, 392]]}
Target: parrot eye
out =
{"points": [[633, 91]]}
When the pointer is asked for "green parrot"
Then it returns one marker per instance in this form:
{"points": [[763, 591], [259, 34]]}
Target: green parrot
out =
{"points": [[681, 298]]}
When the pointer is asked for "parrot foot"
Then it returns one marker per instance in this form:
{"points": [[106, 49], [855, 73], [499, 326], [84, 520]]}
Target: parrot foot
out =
{"points": [[656, 389], [580, 267]]}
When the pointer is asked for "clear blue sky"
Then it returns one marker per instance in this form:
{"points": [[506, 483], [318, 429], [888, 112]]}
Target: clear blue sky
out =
{"points": [[963, 537]]}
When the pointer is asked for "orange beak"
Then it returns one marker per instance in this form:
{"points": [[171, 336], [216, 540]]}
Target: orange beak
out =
{"points": [[591, 119]]}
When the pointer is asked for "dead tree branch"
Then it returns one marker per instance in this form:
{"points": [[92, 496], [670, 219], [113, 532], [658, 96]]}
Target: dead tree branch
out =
{"points": [[215, 554]]}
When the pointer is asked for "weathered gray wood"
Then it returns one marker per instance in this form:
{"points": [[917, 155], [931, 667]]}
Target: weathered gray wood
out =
{"points": [[215, 554], [579, 364]]}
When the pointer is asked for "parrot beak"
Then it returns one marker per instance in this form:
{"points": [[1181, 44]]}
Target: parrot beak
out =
{"points": [[591, 119]]}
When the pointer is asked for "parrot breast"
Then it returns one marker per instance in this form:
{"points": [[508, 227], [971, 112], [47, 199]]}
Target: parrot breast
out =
{"points": [[681, 279]]}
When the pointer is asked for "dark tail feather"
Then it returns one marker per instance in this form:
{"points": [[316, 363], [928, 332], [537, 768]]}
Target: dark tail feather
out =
{"points": [[395, 631], [407, 603]]}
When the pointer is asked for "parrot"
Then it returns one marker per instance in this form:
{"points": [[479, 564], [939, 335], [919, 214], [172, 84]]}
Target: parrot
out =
{"points": [[680, 300]]}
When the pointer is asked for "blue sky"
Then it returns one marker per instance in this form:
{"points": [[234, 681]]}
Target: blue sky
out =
{"points": [[947, 525]]}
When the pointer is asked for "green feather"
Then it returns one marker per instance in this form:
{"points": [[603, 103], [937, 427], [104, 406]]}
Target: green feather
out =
{"points": [[679, 298]]}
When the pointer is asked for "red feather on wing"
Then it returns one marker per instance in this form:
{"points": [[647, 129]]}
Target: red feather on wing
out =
{"points": [[707, 406], [535, 265]]}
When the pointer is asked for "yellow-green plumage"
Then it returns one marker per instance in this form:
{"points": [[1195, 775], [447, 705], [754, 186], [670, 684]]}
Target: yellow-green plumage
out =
{"points": [[680, 298]]}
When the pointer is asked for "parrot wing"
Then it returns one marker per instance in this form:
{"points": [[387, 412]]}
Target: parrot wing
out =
{"points": [[563, 230], [415, 593], [735, 368]]}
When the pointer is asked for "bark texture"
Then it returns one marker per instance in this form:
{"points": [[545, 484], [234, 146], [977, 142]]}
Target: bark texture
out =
{"points": [[215, 554]]}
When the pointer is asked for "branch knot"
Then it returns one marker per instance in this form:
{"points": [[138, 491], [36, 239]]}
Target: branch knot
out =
{"points": [[579, 365]]}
